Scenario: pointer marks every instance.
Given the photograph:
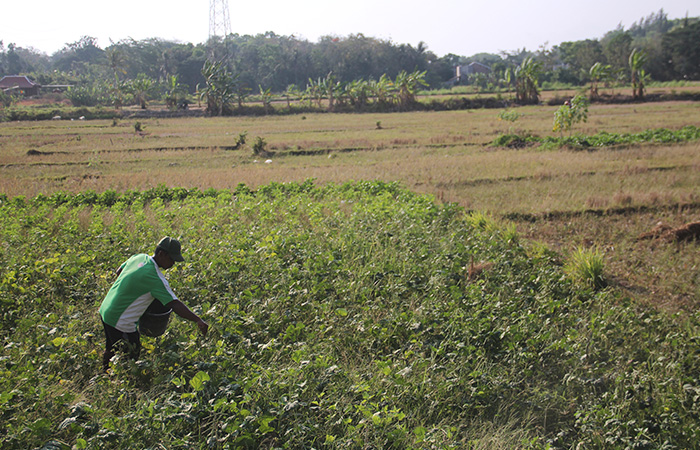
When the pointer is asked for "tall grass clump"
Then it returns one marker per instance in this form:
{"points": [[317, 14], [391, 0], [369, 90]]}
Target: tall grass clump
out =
{"points": [[342, 316], [586, 266]]}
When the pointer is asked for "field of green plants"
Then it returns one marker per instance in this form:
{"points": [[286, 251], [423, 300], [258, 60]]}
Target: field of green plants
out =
{"points": [[358, 315], [455, 279]]}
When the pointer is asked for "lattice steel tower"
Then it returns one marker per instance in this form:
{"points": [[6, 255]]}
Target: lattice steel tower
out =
{"points": [[219, 23]]}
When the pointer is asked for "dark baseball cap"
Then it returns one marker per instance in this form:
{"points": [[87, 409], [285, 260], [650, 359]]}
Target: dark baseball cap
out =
{"points": [[171, 247]]}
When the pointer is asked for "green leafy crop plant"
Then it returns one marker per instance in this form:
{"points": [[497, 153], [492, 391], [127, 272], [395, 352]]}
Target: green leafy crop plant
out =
{"points": [[343, 316], [688, 133]]}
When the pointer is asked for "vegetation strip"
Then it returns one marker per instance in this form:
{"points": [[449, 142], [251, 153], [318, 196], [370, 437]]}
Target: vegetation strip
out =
{"points": [[602, 139]]}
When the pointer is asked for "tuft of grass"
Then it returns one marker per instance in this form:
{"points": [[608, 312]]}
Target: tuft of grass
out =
{"points": [[587, 267]]}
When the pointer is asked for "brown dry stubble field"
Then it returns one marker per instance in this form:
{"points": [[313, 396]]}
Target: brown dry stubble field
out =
{"points": [[563, 198]]}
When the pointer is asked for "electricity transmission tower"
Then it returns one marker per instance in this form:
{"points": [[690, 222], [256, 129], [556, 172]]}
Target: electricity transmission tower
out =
{"points": [[219, 23]]}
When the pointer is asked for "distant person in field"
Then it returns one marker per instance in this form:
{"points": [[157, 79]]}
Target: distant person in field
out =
{"points": [[140, 285]]}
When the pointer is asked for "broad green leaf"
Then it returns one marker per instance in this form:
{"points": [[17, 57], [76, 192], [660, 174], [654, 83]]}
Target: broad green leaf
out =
{"points": [[197, 382]]}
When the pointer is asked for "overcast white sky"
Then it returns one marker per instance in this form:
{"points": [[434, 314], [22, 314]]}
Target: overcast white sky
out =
{"points": [[462, 27]]}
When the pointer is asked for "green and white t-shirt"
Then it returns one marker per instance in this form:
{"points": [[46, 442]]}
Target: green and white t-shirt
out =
{"points": [[139, 282]]}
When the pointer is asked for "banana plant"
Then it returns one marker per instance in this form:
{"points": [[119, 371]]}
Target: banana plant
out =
{"points": [[174, 92], [314, 91], [382, 89], [292, 92], [141, 88], [599, 73], [638, 59], [407, 85], [358, 93], [506, 79], [117, 91], [527, 81], [329, 87], [220, 87], [266, 96]]}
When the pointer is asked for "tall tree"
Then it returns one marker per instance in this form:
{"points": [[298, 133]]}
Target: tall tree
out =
{"points": [[616, 47], [79, 56], [581, 55], [14, 63], [681, 46]]}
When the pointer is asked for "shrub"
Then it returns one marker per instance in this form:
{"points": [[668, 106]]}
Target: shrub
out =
{"points": [[259, 147], [571, 113]]}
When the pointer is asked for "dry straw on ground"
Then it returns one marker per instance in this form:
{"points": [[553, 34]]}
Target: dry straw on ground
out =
{"points": [[687, 232]]}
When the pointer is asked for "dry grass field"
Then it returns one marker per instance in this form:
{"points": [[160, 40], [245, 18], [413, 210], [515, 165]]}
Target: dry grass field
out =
{"points": [[566, 199]]}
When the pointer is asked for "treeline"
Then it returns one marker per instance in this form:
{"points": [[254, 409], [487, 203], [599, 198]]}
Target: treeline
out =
{"points": [[666, 49], [268, 60]]}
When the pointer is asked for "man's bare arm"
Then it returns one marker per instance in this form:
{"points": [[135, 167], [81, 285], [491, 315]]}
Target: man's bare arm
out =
{"points": [[183, 311]]}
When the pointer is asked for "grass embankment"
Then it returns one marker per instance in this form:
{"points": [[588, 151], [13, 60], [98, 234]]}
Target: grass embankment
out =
{"points": [[342, 317]]}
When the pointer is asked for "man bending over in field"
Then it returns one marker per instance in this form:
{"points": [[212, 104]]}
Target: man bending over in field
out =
{"points": [[139, 282]]}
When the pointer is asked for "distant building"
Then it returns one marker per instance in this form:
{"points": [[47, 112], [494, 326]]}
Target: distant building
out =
{"points": [[19, 84], [462, 72]]}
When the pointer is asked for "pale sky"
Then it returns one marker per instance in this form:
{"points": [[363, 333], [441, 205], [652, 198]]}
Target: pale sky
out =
{"points": [[462, 27]]}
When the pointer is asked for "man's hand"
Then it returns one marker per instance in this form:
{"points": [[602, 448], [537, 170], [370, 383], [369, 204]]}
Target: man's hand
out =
{"points": [[183, 311], [203, 327]]}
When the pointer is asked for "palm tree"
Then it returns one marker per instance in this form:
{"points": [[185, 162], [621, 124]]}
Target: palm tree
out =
{"points": [[117, 92], [116, 61], [637, 59]]}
